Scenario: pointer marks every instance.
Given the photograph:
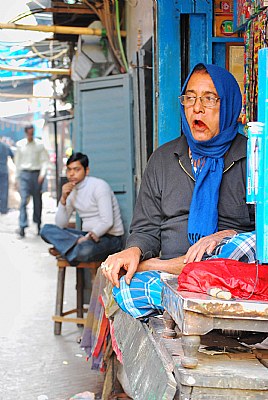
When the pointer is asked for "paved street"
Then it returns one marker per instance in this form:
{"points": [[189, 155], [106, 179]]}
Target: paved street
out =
{"points": [[35, 364]]}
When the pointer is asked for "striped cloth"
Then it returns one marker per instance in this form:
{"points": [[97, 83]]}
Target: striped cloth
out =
{"points": [[143, 296], [96, 331], [241, 247]]}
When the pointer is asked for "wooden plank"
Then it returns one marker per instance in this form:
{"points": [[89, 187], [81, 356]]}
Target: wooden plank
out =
{"points": [[58, 318], [62, 263]]}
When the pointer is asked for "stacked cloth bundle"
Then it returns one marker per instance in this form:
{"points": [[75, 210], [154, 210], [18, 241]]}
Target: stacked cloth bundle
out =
{"points": [[96, 331]]}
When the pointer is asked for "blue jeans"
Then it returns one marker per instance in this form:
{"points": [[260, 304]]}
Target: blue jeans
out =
{"points": [[29, 186], [65, 241], [4, 193]]}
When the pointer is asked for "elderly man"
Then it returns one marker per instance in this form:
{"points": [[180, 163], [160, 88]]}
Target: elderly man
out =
{"points": [[193, 192]]}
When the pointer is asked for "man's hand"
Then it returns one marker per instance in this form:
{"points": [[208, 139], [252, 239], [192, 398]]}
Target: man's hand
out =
{"points": [[40, 180], [206, 245], [92, 236], [82, 239], [65, 191], [89, 236], [127, 259]]}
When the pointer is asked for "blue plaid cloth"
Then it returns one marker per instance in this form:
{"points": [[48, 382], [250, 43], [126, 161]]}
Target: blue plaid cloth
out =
{"points": [[143, 296], [241, 247]]}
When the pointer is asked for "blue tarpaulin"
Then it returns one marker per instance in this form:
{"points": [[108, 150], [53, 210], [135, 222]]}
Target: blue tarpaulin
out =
{"points": [[20, 58]]}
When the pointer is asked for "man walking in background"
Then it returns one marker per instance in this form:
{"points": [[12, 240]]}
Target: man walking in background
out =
{"points": [[31, 162]]}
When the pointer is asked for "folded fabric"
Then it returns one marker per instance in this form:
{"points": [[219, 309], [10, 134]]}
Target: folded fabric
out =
{"points": [[243, 280], [96, 330], [142, 297], [241, 247]]}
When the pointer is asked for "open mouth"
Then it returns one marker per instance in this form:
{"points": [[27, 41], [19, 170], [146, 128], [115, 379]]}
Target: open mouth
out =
{"points": [[198, 124]]}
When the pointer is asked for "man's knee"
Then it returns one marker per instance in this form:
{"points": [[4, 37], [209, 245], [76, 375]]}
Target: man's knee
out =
{"points": [[46, 229], [85, 251], [23, 200]]}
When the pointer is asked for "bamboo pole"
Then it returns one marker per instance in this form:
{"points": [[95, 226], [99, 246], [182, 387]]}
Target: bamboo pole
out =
{"points": [[67, 30], [53, 71], [26, 96]]}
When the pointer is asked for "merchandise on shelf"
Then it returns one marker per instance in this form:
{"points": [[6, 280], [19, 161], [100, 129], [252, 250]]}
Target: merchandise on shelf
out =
{"points": [[245, 10], [255, 39], [223, 19], [223, 7], [223, 26]]}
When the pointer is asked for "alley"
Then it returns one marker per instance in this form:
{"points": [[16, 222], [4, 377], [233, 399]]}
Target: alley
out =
{"points": [[35, 364]]}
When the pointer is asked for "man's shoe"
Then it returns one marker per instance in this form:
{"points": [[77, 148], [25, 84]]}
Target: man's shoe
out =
{"points": [[38, 229], [21, 232], [54, 252]]}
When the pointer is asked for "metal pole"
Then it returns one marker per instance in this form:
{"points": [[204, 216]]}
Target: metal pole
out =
{"points": [[56, 150]]}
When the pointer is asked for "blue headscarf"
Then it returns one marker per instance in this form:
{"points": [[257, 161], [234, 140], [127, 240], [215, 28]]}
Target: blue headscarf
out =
{"points": [[203, 216]]}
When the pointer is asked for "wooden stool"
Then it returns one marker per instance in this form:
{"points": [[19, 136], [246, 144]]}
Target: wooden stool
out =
{"points": [[60, 315]]}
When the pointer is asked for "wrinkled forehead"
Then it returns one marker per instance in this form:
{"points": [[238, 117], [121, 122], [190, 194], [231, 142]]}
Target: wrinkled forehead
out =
{"points": [[201, 82]]}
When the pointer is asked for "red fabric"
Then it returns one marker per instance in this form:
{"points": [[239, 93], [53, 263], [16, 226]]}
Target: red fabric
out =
{"points": [[115, 346], [103, 332], [237, 277]]}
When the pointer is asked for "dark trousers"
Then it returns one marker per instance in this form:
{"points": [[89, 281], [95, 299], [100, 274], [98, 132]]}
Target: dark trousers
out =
{"points": [[29, 186], [65, 241]]}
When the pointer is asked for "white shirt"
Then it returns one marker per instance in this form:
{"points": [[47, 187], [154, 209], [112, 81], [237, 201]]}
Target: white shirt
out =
{"points": [[96, 205], [31, 156]]}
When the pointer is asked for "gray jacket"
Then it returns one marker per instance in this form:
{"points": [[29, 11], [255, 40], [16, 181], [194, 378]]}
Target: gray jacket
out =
{"points": [[160, 217]]}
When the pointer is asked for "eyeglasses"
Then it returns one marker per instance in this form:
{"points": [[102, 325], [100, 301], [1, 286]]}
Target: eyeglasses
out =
{"points": [[206, 100]]}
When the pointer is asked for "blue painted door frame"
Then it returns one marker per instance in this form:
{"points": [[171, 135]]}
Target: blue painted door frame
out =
{"points": [[167, 80]]}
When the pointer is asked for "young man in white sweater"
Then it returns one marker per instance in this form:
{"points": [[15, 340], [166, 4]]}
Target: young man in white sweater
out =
{"points": [[95, 203]]}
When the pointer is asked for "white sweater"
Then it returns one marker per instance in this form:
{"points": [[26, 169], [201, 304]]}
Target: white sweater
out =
{"points": [[96, 205]]}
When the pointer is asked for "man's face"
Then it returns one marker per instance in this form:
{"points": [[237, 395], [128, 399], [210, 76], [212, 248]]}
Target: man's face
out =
{"points": [[76, 172], [203, 121], [30, 134]]}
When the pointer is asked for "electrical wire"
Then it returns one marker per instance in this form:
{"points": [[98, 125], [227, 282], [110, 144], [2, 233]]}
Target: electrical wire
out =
{"points": [[110, 24], [104, 16], [49, 58], [25, 14], [255, 283], [92, 8], [119, 36]]}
